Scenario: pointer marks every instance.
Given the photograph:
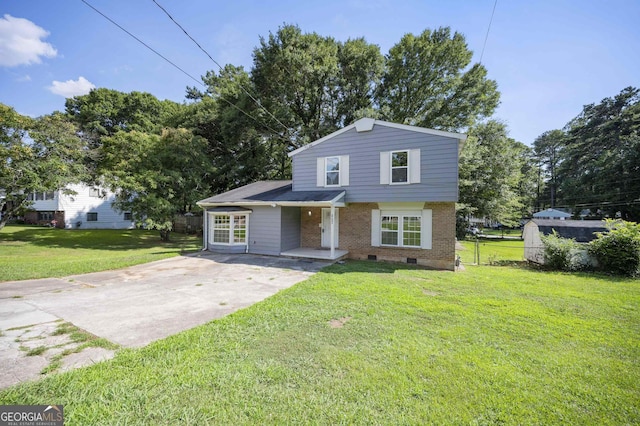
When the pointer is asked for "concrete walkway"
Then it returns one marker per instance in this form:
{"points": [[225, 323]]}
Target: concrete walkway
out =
{"points": [[131, 307]]}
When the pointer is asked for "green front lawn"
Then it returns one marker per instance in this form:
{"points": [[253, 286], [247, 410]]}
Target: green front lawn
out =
{"points": [[28, 252], [374, 343]]}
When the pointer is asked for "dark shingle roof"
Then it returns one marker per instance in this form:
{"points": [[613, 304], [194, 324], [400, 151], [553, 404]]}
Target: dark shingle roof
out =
{"points": [[272, 191], [582, 231]]}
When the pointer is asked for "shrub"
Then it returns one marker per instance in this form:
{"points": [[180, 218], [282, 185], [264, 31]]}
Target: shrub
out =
{"points": [[557, 251], [618, 249]]}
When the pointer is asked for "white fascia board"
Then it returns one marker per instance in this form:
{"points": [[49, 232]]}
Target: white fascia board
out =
{"points": [[459, 136]]}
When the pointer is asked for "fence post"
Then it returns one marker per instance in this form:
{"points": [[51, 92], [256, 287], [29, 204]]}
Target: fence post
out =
{"points": [[477, 251]]}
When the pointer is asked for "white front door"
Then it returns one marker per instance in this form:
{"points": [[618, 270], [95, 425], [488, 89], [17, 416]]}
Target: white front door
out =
{"points": [[326, 228]]}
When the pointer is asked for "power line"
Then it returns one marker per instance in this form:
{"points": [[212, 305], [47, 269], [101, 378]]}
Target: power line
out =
{"points": [[176, 66], [219, 66], [143, 43], [488, 28]]}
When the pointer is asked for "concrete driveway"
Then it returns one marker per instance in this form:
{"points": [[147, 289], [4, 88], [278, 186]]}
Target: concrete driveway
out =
{"points": [[131, 307]]}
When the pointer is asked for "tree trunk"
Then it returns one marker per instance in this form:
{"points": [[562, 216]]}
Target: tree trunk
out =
{"points": [[164, 234]]}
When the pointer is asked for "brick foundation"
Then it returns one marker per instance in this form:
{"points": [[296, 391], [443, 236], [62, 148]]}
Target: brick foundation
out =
{"points": [[355, 235]]}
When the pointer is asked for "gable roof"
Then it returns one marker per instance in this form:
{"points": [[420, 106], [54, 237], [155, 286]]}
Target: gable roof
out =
{"points": [[551, 213], [582, 231], [269, 192], [367, 124]]}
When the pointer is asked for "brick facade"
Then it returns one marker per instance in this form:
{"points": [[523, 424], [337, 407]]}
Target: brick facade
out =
{"points": [[31, 218], [355, 235]]}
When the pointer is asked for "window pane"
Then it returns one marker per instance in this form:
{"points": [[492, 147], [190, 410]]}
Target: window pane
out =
{"points": [[399, 175], [39, 196], [92, 217], [333, 178], [48, 195], [333, 164], [239, 229], [399, 159], [389, 226], [221, 236], [411, 231]]}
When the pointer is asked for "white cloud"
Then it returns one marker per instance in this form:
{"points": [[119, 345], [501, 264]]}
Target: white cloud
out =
{"points": [[71, 88], [24, 78], [21, 44]]}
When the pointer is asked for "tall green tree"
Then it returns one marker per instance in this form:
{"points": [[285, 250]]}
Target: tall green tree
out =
{"points": [[491, 175], [43, 154], [313, 84], [155, 177], [601, 158], [548, 150], [429, 81]]}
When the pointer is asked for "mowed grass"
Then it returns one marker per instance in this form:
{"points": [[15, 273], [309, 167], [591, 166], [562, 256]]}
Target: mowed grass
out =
{"points": [[492, 251], [374, 343], [28, 252]]}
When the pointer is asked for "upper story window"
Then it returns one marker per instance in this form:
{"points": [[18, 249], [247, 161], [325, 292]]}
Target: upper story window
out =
{"points": [[400, 167], [333, 171], [94, 192], [41, 196]]}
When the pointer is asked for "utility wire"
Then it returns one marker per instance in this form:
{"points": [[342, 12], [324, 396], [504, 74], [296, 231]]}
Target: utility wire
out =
{"points": [[488, 28], [176, 66], [219, 66], [142, 42]]}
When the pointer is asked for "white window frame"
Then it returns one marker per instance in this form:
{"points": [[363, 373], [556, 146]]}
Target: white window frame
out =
{"points": [[231, 237], [392, 167], [327, 171], [426, 226], [94, 192], [413, 166], [322, 171], [400, 232]]}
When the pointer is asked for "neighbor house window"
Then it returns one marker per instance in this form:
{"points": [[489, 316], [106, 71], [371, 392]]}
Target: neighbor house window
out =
{"points": [[399, 166], [94, 192], [41, 196], [332, 171], [45, 216], [128, 216], [400, 230], [92, 217], [229, 228]]}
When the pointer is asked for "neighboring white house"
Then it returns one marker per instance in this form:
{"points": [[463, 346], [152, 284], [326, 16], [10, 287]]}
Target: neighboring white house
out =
{"points": [[552, 214], [582, 231], [89, 208]]}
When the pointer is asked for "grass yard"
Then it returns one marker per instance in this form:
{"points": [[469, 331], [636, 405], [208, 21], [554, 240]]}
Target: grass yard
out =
{"points": [[374, 343], [492, 251], [28, 252]]}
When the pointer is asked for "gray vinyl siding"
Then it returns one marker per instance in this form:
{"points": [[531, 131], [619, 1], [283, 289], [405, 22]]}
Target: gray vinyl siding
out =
{"points": [[438, 165], [264, 230], [226, 249], [290, 228]]}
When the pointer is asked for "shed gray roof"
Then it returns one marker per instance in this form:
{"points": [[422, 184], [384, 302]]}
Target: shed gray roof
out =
{"points": [[272, 191], [582, 231], [551, 213]]}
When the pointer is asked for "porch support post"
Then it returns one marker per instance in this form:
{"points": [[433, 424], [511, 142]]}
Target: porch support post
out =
{"points": [[333, 227]]}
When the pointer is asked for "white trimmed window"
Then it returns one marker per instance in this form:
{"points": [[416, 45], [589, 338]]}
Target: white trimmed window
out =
{"points": [[94, 192], [400, 167], [410, 228], [41, 196], [92, 217], [333, 171], [228, 229]]}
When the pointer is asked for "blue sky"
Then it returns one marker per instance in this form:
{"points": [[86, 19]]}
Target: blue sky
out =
{"points": [[549, 57]]}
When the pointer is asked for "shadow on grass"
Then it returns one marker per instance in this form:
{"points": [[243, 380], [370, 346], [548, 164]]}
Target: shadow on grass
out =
{"points": [[97, 239]]}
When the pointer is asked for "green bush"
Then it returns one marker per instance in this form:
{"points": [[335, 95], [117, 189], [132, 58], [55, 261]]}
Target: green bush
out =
{"points": [[557, 251], [618, 250]]}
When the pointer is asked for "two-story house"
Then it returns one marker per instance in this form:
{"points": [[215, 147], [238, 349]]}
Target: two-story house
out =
{"points": [[80, 206], [372, 190]]}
